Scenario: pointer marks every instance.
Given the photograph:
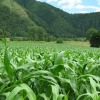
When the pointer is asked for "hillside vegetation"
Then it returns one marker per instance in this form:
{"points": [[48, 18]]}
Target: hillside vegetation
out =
{"points": [[30, 18], [58, 22], [15, 22]]}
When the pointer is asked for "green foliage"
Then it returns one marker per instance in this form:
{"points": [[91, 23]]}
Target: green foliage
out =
{"points": [[93, 35], [53, 20], [1, 31], [49, 38], [91, 32], [59, 40], [59, 23], [13, 25], [41, 19], [95, 40], [16, 94], [11, 22], [35, 20], [41, 72]]}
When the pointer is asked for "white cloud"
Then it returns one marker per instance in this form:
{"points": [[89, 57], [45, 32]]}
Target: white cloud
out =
{"points": [[74, 4], [97, 10], [69, 3], [83, 12], [80, 6], [38, 0], [48, 0], [85, 7], [52, 0]]}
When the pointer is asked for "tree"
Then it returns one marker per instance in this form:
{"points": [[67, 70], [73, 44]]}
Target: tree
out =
{"points": [[90, 32], [95, 40], [93, 35], [37, 33]]}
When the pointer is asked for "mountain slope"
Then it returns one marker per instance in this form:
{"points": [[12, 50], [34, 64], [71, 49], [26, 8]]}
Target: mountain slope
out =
{"points": [[86, 21], [15, 20], [57, 22], [15, 7], [26, 17], [54, 20]]}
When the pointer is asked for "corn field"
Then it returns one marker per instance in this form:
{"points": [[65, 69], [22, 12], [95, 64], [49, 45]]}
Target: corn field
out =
{"points": [[41, 73]]}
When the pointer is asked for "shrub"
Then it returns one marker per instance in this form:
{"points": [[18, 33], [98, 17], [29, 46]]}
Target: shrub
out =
{"points": [[95, 40], [90, 32], [48, 39], [59, 40]]}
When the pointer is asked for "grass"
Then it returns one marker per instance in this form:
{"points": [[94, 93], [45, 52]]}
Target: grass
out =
{"points": [[80, 43]]}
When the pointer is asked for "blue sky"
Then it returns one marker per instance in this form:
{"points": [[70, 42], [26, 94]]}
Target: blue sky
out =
{"points": [[75, 6]]}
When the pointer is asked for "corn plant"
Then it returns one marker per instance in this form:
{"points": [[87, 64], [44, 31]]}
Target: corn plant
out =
{"points": [[40, 74]]}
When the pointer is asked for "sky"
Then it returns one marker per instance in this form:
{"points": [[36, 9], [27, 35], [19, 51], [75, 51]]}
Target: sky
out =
{"points": [[75, 6]]}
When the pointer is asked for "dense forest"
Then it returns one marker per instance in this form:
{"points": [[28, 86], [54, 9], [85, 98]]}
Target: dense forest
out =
{"points": [[36, 20]]}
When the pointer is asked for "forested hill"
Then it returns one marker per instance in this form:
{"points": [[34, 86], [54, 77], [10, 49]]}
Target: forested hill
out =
{"points": [[28, 16], [15, 22], [57, 22]]}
